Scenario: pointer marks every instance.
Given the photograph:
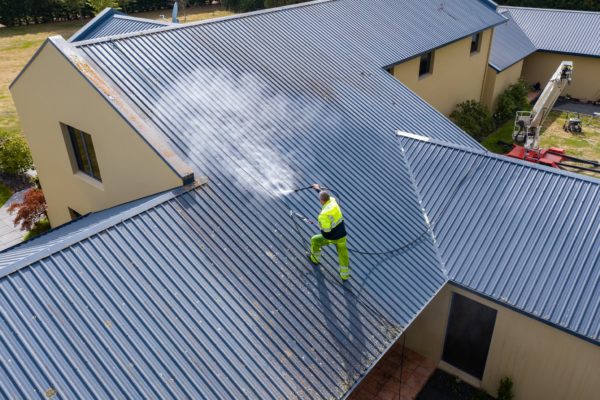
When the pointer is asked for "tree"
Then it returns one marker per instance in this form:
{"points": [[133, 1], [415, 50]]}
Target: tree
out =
{"points": [[15, 158], [30, 210], [589, 5], [99, 5], [242, 5], [73, 8]]}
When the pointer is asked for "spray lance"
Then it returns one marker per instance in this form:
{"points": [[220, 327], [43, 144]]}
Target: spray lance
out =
{"points": [[314, 186], [295, 214]]}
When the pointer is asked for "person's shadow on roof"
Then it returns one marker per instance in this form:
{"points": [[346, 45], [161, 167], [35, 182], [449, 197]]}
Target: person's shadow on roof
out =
{"points": [[342, 320]]}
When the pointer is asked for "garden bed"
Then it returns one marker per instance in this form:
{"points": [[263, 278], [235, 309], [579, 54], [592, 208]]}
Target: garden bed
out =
{"points": [[443, 386]]}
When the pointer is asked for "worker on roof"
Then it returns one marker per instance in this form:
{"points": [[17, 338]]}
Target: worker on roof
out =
{"points": [[333, 231]]}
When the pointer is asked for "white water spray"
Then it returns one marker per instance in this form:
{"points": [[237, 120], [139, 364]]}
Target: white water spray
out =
{"points": [[247, 143]]}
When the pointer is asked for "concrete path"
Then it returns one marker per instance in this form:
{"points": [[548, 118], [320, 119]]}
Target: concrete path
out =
{"points": [[583, 108], [9, 234]]}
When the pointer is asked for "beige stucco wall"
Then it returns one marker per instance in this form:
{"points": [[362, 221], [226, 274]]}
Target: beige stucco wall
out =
{"points": [[52, 91], [497, 82], [457, 75], [544, 362], [540, 66]]}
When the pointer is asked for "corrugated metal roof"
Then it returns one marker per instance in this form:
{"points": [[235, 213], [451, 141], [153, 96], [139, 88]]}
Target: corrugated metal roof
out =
{"points": [[562, 31], [209, 295], [111, 22], [390, 31], [509, 44], [56, 239], [524, 235], [195, 298]]}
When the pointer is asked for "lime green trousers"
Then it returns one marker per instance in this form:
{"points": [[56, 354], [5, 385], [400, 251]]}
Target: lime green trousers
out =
{"points": [[317, 242]]}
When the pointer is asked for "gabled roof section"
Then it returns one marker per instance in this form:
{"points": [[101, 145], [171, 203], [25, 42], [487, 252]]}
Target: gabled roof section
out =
{"points": [[111, 22], [524, 235], [188, 295], [561, 31], [509, 44], [393, 31], [25, 253], [210, 294]]}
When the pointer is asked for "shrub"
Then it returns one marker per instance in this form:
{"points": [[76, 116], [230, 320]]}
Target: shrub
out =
{"points": [[99, 5], [279, 3], [15, 157], [474, 118], [513, 99], [40, 227], [243, 5], [30, 210], [251, 5], [505, 389]]}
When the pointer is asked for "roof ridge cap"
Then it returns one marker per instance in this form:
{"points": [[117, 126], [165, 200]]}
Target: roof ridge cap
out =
{"points": [[147, 20], [503, 158], [417, 191], [210, 21], [550, 9]]}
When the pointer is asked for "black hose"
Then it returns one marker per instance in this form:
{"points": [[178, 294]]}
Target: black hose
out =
{"points": [[406, 245], [366, 253]]}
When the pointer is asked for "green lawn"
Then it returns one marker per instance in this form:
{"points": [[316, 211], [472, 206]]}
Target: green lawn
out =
{"points": [[584, 145], [504, 134], [39, 228], [5, 194]]}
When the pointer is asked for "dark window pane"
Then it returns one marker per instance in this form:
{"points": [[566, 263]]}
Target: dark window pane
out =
{"points": [[92, 156], [74, 214], [425, 64], [83, 149], [475, 40], [79, 148], [468, 335]]}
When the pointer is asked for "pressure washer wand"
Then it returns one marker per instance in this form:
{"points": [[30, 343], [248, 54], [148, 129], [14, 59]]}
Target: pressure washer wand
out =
{"points": [[301, 189]]}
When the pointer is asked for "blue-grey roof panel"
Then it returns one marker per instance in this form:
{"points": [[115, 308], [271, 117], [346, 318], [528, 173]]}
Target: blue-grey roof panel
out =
{"points": [[209, 294], [509, 45], [111, 22], [188, 300], [52, 241], [121, 24], [562, 31], [525, 235]]}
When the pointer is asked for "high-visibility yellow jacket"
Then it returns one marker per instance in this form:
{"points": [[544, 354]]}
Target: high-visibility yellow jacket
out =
{"points": [[331, 220]]}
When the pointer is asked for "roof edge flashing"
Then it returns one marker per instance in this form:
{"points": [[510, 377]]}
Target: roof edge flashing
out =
{"points": [[86, 232], [549, 9], [523, 312], [506, 159], [490, 3], [413, 136], [202, 22], [126, 110], [395, 341], [94, 23]]}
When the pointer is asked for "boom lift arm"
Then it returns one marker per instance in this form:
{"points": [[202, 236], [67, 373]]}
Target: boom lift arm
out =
{"points": [[528, 123]]}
